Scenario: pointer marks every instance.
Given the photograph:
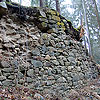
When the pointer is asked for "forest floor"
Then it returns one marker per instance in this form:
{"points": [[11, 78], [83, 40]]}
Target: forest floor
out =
{"points": [[90, 92]]}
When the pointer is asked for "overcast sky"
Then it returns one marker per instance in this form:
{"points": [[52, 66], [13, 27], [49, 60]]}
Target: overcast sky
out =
{"points": [[28, 2]]}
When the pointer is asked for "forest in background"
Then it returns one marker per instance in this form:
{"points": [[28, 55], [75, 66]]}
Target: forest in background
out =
{"points": [[79, 12]]}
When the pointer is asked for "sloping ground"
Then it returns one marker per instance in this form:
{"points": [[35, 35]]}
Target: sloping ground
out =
{"points": [[89, 92], [51, 62]]}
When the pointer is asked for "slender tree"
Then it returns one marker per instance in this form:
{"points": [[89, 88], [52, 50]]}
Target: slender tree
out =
{"points": [[58, 6], [41, 3], [87, 29], [32, 2], [97, 15], [46, 3]]}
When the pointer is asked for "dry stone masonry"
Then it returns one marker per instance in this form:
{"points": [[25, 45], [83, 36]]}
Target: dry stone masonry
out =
{"points": [[43, 53]]}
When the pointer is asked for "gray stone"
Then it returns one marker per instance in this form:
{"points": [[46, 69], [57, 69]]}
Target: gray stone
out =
{"points": [[7, 70], [69, 79], [2, 78], [78, 63], [64, 73], [42, 13], [52, 42], [71, 54], [61, 80], [44, 49], [78, 69], [51, 53], [9, 21], [51, 22], [9, 45], [76, 78], [36, 70], [71, 59], [6, 74], [49, 83], [7, 83], [81, 75], [11, 77], [36, 63], [70, 68], [53, 30], [44, 36], [56, 77], [47, 42], [22, 68], [36, 52], [20, 75], [4, 64], [21, 81], [29, 80], [42, 25], [55, 62], [38, 96], [75, 84], [41, 19], [61, 62], [30, 72], [88, 75], [67, 63], [55, 71]]}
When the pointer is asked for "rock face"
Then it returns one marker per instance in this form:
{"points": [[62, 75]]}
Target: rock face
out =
{"points": [[52, 61]]}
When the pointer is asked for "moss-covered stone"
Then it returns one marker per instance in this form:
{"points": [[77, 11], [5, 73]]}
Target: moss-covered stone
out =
{"points": [[49, 16], [61, 25], [53, 30], [51, 12], [13, 3], [56, 18], [58, 23], [45, 36], [79, 28], [64, 21], [58, 13], [69, 21], [76, 29], [42, 19], [42, 25], [52, 21]]}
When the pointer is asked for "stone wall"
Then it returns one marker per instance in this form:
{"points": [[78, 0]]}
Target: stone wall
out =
{"points": [[47, 20], [49, 61]]}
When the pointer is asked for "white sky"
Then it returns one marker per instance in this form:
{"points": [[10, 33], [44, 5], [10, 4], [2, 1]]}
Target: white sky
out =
{"points": [[27, 3], [24, 2], [68, 7]]}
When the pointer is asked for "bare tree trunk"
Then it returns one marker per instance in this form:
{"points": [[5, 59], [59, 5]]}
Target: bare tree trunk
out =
{"points": [[49, 3], [58, 6], [41, 3], [31, 2], [97, 15], [87, 30], [98, 20], [46, 3]]}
